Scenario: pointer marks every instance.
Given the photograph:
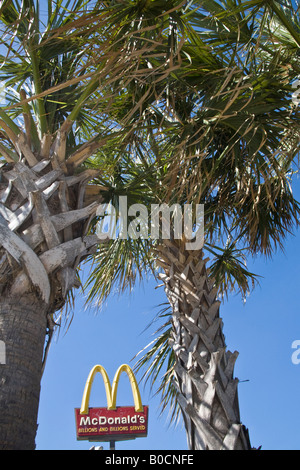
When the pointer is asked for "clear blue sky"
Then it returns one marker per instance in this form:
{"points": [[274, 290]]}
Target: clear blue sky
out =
{"points": [[262, 330]]}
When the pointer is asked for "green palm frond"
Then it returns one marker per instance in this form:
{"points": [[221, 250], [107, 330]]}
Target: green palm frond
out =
{"points": [[229, 270], [116, 267], [156, 362]]}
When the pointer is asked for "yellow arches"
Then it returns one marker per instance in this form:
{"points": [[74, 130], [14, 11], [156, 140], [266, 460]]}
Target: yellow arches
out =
{"points": [[87, 389], [111, 391]]}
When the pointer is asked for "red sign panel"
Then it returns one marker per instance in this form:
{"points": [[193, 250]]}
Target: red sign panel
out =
{"points": [[101, 424]]}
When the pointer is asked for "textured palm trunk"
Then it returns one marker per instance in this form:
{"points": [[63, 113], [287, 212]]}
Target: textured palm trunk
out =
{"points": [[46, 206], [207, 389], [23, 329]]}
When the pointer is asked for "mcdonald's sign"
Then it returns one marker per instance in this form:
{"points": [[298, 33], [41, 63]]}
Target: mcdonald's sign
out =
{"points": [[112, 423]]}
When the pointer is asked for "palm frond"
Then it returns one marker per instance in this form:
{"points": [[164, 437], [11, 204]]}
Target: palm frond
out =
{"points": [[157, 362]]}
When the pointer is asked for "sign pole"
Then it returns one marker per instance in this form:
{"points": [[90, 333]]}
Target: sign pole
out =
{"points": [[112, 445]]}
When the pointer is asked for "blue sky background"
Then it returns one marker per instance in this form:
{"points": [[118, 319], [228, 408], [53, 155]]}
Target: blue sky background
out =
{"points": [[262, 330]]}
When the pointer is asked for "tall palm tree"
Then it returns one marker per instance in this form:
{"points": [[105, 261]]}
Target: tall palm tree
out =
{"points": [[109, 81], [263, 210], [63, 66], [230, 140]]}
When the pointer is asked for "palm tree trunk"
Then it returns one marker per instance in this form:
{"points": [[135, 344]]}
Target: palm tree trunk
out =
{"points": [[207, 390], [45, 212], [23, 328]]}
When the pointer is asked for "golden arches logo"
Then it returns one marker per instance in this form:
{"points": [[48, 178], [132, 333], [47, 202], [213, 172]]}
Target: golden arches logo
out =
{"points": [[111, 391]]}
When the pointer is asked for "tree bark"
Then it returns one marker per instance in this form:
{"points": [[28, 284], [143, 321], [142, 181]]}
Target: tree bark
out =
{"points": [[44, 219], [207, 389], [23, 325]]}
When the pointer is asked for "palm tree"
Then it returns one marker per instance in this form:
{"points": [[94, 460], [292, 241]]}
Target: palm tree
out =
{"points": [[263, 210], [230, 141], [113, 82], [62, 69]]}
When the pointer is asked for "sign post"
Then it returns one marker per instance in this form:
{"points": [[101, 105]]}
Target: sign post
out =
{"points": [[113, 423]]}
